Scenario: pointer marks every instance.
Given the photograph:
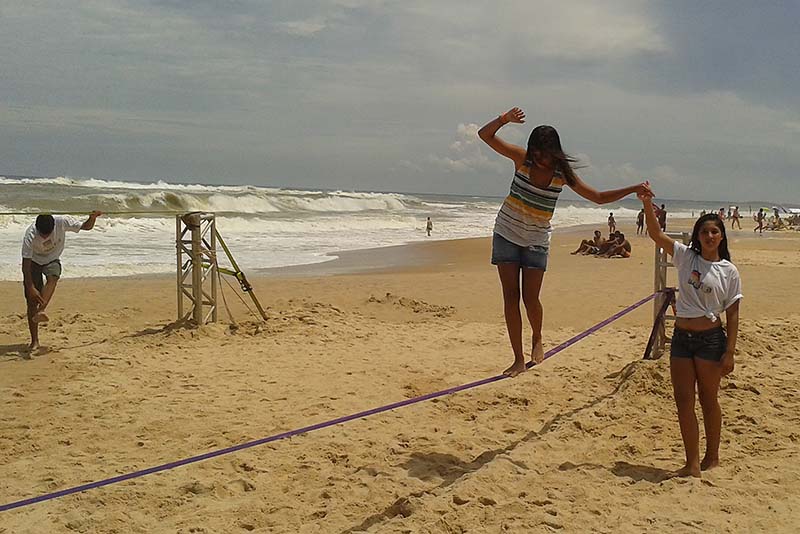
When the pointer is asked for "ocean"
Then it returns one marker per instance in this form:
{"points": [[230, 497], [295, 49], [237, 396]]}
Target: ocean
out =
{"points": [[263, 226]]}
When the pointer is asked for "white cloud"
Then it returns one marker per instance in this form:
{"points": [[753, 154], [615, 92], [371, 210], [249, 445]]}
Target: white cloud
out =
{"points": [[584, 30], [303, 28], [468, 154]]}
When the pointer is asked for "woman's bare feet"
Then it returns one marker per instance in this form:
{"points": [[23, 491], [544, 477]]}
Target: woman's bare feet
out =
{"points": [[709, 463], [687, 471], [516, 369], [537, 353], [40, 317]]}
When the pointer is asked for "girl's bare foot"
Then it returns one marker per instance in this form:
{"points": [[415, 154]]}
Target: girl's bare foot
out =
{"points": [[40, 317], [709, 463], [687, 471], [516, 369], [537, 353]]}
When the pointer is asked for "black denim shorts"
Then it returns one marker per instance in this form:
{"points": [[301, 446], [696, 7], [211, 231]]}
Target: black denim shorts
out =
{"points": [[706, 345]]}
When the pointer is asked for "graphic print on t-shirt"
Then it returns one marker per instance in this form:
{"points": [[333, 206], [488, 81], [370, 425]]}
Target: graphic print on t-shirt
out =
{"points": [[695, 282]]}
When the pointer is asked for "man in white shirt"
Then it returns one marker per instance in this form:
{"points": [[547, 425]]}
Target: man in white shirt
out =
{"points": [[42, 246]]}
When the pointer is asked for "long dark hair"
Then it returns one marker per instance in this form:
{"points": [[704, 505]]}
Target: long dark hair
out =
{"points": [[694, 244], [545, 139]]}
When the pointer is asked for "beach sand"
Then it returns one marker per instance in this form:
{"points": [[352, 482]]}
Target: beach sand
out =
{"points": [[582, 443]]}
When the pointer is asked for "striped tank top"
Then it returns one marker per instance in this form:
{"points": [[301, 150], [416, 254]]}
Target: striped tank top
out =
{"points": [[524, 217]]}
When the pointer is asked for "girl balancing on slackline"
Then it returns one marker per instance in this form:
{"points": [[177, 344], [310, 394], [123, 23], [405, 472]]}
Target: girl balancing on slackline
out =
{"points": [[522, 230]]}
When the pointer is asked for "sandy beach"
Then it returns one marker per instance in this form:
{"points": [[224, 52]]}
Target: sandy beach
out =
{"points": [[582, 443]]}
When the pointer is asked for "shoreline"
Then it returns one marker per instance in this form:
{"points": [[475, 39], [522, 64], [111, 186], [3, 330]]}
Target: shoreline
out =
{"points": [[422, 254]]}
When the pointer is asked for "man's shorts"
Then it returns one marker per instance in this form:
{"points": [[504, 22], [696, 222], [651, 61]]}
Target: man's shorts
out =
{"points": [[39, 272], [706, 345], [504, 251]]}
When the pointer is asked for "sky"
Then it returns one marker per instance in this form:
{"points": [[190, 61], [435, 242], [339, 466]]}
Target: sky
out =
{"points": [[701, 98]]}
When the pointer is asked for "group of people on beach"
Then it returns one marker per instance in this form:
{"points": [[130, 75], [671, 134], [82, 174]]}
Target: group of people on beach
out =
{"points": [[702, 350], [614, 246]]}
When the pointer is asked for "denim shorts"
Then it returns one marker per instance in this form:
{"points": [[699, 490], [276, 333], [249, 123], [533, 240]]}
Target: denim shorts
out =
{"points": [[706, 345], [504, 251]]}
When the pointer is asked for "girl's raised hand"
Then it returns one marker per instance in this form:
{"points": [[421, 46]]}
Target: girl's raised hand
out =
{"points": [[513, 115]]}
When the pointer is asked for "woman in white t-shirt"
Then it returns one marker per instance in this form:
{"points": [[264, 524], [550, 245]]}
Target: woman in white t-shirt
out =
{"points": [[701, 350]]}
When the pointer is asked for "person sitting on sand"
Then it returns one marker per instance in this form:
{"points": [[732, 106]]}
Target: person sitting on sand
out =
{"points": [[702, 350], [586, 244], [42, 246], [622, 248]]}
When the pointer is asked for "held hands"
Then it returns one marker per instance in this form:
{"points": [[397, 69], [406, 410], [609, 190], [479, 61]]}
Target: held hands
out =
{"points": [[727, 363], [513, 115], [644, 192], [95, 214]]}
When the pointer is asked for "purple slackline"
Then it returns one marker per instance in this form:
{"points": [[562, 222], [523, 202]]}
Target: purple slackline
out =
{"points": [[310, 428]]}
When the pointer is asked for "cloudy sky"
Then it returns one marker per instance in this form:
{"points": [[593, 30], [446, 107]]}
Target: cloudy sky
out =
{"points": [[702, 98]]}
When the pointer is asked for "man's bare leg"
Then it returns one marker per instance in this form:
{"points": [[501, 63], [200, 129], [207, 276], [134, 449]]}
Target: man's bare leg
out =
{"points": [[47, 294], [33, 326]]}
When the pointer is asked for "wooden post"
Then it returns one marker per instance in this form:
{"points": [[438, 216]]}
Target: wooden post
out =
{"points": [[197, 256], [179, 256], [197, 270], [659, 284]]}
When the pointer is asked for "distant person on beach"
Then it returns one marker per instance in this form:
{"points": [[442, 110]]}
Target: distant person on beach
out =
{"points": [[621, 248], [640, 223], [429, 226], [42, 246], [735, 217], [587, 244], [702, 350], [521, 241], [759, 218], [722, 213], [612, 223], [662, 218]]}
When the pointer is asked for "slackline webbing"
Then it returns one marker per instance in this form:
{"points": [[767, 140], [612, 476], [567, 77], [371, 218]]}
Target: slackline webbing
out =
{"points": [[310, 428]]}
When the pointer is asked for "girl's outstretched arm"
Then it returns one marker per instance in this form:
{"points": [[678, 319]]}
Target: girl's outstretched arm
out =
{"points": [[488, 131], [612, 195], [653, 228]]}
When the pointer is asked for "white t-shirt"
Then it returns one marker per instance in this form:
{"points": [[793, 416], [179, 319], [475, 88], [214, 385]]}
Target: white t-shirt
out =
{"points": [[44, 250], [705, 288]]}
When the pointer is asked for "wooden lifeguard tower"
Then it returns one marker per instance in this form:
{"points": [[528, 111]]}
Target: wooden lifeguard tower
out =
{"points": [[196, 239], [196, 244], [660, 286]]}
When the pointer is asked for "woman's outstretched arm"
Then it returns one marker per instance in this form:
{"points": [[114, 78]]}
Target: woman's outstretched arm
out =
{"points": [[612, 195]]}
